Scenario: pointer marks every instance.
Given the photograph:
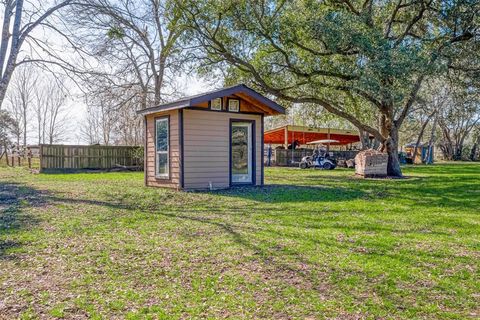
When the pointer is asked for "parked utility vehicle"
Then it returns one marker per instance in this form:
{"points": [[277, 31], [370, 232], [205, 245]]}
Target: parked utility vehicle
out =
{"points": [[319, 159]]}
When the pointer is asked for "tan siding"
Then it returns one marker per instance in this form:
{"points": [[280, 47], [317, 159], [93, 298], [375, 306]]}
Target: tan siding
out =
{"points": [[199, 129], [199, 164], [174, 180], [206, 148]]}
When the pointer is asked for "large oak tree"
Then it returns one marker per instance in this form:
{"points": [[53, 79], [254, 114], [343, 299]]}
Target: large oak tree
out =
{"points": [[323, 52]]}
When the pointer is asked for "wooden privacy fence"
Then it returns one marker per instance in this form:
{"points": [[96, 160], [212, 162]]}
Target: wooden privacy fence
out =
{"points": [[94, 157]]}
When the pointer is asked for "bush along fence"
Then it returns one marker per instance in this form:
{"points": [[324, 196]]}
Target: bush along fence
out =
{"points": [[71, 158]]}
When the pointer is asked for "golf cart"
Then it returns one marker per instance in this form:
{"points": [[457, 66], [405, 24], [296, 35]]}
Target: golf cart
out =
{"points": [[319, 159]]}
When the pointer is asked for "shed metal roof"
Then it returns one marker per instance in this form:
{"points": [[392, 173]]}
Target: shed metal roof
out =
{"points": [[288, 134]]}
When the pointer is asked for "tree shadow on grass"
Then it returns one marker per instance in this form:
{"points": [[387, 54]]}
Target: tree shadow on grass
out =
{"points": [[270, 258], [283, 193], [278, 261], [281, 262], [14, 198]]}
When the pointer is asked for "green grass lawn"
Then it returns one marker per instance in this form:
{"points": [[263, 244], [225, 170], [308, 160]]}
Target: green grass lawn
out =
{"points": [[309, 245]]}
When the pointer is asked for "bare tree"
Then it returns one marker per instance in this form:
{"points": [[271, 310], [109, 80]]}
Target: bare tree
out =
{"points": [[137, 44], [20, 98], [22, 18], [99, 123], [433, 98], [51, 110], [128, 129], [90, 128], [457, 120], [432, 139], [109, 123], [40, 116]]}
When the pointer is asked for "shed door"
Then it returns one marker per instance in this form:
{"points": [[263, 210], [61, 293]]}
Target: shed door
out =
{"points": [[241, 154]]}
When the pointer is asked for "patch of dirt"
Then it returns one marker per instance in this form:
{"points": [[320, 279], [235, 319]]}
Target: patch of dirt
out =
{"points": [[298, 275]]}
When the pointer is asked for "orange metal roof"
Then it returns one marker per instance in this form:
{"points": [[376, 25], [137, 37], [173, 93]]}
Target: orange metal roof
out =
{"points": [[306, 134]]}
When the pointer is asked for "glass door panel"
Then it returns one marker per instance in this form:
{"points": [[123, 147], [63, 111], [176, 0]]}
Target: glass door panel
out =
{"points": [[241, 152]]}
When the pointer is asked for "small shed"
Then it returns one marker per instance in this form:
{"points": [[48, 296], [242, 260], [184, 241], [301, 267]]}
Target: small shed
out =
{"points": [[424, 153], [212, 140]]}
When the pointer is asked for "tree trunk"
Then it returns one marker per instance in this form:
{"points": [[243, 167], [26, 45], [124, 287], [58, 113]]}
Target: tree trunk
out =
{"points": [[159, 79], [24, 126], [473, 153], [14, 49], [7, 15], [393, 167], [447, 152], [5, 81], [39, 134], [364, 139], [458, 154], [390, 145], [6, 154], [430, 142], [420, 136], [458, 150], [447, 145]]}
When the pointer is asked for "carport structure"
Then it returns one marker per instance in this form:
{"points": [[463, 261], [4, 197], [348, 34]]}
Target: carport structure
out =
{"points": [[286, 135]]}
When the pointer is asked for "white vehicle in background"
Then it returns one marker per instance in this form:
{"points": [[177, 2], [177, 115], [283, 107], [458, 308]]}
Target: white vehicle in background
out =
{"points": [[319, 158]]}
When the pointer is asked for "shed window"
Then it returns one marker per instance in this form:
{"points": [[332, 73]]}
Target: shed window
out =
{"points": [[162, 145], [233, 105], [216, 104]]}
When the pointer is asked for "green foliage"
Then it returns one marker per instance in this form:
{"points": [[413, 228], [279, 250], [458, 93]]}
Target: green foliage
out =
{"points": [[7, 127], [115, 33], [330, 53], [335, 50]]}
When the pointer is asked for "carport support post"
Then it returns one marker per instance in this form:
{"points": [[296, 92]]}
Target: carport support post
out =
{"points": [[293, 145], [328, 143], [286, 137], [269, 158]]}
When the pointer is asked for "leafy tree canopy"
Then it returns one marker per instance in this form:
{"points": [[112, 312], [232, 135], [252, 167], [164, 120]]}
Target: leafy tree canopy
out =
{"points": [[328, 52]]}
